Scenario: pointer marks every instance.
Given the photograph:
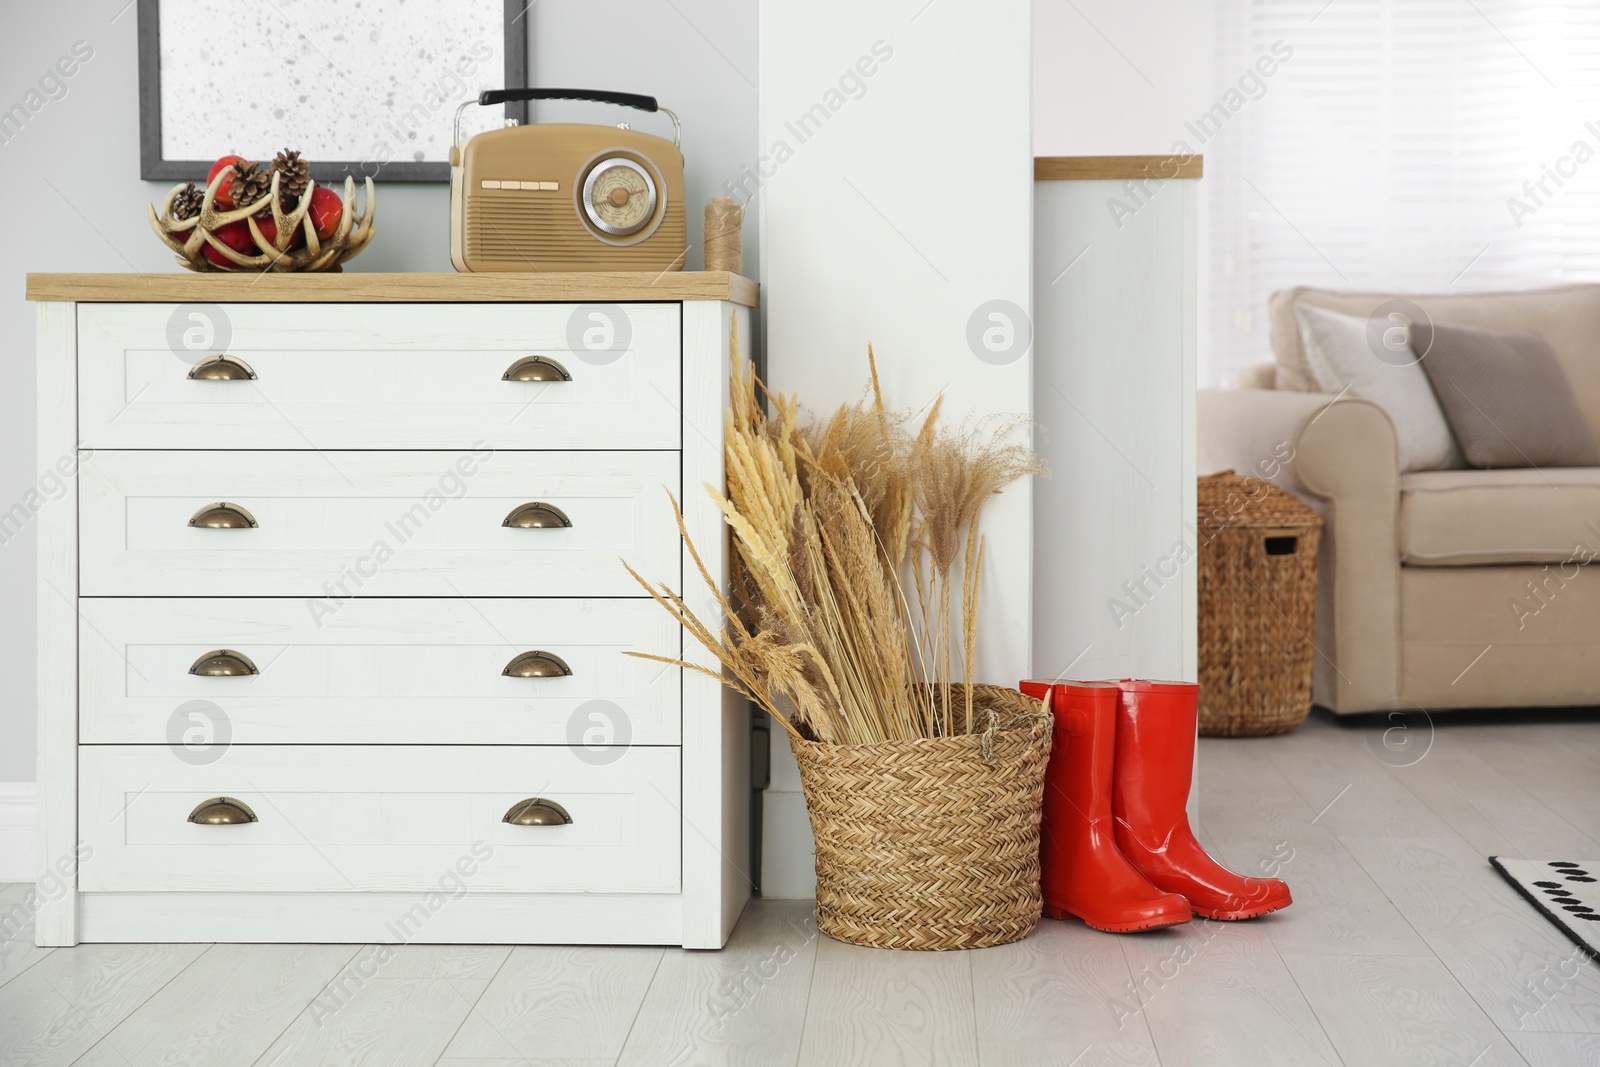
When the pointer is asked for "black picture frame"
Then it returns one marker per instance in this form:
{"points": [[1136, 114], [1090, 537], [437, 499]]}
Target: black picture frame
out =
{"points": [[154, 167]]}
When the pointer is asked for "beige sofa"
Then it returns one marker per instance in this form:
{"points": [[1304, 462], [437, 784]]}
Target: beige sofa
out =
{"points": [[1439, 589]]}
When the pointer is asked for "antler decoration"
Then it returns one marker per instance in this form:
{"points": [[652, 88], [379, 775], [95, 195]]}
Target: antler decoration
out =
{"points": [[189, 237]]}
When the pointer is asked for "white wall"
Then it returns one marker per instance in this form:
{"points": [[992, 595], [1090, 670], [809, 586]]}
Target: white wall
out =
{"points": [[1117, 335], [1114, 376], [894, 223], [74, 202], [1114, 383], [1111, 78]]}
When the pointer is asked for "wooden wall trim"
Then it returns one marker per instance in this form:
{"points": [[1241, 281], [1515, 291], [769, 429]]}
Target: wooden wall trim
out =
{"points": [[1091, 168]]}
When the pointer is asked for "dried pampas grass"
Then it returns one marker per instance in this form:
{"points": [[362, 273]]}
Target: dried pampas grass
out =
{"points": [[834, 521]]}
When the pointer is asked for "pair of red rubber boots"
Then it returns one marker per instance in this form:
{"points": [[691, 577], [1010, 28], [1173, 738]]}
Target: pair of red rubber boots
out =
{"points": [[1116, 849]]}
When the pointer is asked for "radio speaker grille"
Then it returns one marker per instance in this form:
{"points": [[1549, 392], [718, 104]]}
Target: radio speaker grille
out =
{"points": [[544, 233]]}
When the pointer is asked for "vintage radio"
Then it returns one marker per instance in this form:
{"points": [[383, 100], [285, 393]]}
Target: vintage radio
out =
{"points": [[573, 197]]}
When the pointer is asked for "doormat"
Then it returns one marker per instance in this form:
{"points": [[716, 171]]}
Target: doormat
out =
{"points": [[1566, 891]]}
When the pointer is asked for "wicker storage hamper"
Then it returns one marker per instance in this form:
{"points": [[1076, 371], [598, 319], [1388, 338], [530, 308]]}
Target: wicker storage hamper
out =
{"points": [[1258, 604], [932, 843]]}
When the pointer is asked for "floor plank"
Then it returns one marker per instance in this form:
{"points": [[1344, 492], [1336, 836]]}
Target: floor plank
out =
{"points": [[1514, 963], [1488, 810], [558, 1002], [225, 1009], [1557, 1050], [17, 950], [1344, 781], [1398, 1011], [384, 1022], [1062, 995], [437, 961], [17, 956], [873, 1007], [497, 1061], [61, 1007], [1266, 830], [745, 1004], [1555, 762], [1217, 994]]}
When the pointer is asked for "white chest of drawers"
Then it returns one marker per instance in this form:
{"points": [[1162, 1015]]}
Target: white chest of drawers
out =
{"points": [[359, 585]]}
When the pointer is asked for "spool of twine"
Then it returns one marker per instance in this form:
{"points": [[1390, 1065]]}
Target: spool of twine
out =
{"points": [[724, 235]]}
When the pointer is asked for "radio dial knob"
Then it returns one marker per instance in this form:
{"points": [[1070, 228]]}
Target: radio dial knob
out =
{"points": [[619, 197]]}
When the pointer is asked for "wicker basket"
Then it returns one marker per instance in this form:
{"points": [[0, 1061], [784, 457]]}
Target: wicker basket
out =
{"points": [[1258, 604], [932, 843]]}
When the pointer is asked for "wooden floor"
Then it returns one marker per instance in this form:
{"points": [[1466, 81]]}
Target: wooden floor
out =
{"points": [[1402, 947]]}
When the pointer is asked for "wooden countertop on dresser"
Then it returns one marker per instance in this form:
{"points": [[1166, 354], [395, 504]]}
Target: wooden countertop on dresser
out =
{"points": [[413, 288]]}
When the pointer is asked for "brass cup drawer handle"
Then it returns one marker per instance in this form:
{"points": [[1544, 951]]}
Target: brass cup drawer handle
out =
{"points": [[222, 811], [223, 516], [537, 664], [537, 515], [224, 663], [537, 811], [222, 368], [536, 369]]}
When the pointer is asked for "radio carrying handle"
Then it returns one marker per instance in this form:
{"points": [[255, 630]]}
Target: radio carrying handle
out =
{"points": [[490, 97]]}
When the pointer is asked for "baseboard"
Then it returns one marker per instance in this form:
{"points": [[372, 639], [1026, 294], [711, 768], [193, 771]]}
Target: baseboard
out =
{"points": [[19, 810], [413, 918]]}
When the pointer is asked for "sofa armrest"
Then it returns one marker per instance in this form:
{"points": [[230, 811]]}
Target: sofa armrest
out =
{"points": [[1253, 432], [1259, 376], [1341, 456]]}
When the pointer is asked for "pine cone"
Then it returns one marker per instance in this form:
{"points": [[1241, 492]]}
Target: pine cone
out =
{"points": [[186, 205], [294, 175], [250, 185]]}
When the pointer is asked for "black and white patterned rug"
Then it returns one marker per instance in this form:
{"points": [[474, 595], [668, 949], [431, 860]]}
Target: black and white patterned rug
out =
{"points": [[1566, 891]]}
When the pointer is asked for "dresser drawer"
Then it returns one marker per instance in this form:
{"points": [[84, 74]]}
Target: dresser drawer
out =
{"points": [[341, 818], [375, 671], [379, 376], [330, 525]]}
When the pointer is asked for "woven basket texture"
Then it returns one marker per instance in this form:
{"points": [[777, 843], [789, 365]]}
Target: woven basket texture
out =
{"points": [[1258, 604], [932, 843]]}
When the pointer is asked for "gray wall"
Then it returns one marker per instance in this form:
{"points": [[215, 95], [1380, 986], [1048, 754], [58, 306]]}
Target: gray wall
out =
{"points": [[73, 201]]}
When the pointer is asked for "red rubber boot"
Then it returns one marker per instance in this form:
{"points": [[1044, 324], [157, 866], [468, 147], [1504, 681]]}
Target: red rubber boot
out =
{"points": [[1081, 871], [1155, 765]]}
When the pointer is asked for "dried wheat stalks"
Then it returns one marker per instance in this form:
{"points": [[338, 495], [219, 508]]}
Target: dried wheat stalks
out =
{"points": [[953, 474], [830, 520]]}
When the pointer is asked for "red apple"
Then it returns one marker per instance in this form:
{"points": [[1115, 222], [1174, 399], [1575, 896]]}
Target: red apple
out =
{"points": [[325, 211], [225, 190], [236, 235], [269, 231], [268, 228]]}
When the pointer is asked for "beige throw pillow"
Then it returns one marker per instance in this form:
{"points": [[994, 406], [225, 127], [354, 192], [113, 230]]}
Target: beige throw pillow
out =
{"points": [[1508, 400], [1344, 360]]}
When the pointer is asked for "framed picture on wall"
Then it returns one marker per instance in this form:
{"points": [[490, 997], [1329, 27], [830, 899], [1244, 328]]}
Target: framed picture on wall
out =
{"points": [[367, 88]]}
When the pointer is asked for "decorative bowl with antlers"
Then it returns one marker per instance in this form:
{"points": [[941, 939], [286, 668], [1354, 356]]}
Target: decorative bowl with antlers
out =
{"points": [[190, 237]]}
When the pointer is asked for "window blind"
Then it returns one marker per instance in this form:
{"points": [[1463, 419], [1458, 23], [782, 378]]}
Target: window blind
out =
{"points": [[1405, 145]]}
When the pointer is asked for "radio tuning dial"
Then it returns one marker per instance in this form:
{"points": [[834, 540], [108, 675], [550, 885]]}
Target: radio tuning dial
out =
{"points": [[619, 196]]}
